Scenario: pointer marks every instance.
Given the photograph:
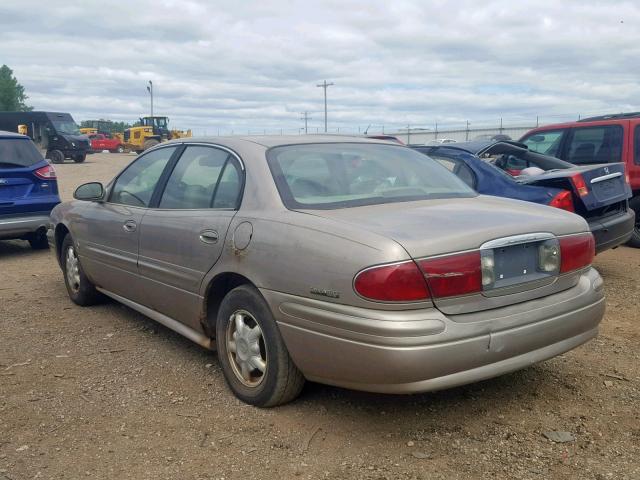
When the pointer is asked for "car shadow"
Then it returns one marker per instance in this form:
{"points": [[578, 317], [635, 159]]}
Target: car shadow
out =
{"points": [[17, 248]]}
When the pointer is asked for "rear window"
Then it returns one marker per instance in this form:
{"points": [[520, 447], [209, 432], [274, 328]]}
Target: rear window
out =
{"points": [[18, 152], [342, 175]]}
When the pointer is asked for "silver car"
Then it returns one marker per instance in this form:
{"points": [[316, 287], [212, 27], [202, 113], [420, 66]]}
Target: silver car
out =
{"points": [[347, 261]]}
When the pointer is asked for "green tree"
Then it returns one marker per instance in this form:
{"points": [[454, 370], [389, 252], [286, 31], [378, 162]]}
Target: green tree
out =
{"points": [[12, 96]]}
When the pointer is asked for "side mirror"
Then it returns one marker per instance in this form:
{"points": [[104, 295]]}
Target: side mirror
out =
{"points": [[93, 192]]}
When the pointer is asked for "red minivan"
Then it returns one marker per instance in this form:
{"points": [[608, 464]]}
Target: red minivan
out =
{"points": [[604, 139]]}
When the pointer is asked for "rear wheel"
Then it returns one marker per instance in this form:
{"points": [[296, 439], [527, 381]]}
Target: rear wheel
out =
{"points": [[152, 142], [253, 356], [56, 156], [80, 289], [38, 239], [634, 241], [120, 149]]}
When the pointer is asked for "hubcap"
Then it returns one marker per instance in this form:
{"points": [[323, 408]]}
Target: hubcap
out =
{"points": [[73, 270], [246, 348]]}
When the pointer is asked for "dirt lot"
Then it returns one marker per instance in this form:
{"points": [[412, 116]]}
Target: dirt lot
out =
{"points": [[104, 392]]}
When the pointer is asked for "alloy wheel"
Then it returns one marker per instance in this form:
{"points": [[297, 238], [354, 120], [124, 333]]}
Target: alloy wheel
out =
{"points": [[72, 269]]}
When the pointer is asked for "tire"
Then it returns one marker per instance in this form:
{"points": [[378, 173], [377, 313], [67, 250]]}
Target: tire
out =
{"points": [[38, 240], [138, 152], [120, 149], [80, 157], [80, 289], [634, 241], [56, 156], [152, 142], [278, 381]]}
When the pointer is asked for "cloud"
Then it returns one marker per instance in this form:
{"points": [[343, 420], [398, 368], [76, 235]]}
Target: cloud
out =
{"points": [[245, 66]]}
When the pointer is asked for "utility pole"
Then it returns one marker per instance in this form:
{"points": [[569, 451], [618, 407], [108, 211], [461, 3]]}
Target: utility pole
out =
{"points": [[408, 134], [306, 118], [325, 85], [150, 90], [467, 133]]}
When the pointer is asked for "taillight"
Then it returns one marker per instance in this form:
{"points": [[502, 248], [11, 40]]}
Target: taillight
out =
{"points": [[398, 282], [46, 173], [580, 184], [563, 200], [576, 251], [452, 275]]}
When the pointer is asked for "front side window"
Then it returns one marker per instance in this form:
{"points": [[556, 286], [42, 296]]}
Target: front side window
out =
{"points": [[136, 184], [547, 143], [202, 174], [596, 145], [341, 175]]}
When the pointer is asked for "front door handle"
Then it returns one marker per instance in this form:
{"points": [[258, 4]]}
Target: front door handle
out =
{"points": [[130, 226], [208, 236]]}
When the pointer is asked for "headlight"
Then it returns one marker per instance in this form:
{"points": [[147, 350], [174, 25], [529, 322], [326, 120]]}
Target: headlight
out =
{"points": [[73, 144]]}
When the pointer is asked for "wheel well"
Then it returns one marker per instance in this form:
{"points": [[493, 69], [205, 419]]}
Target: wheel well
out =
{"points": [[216, 291], [61, 232]]}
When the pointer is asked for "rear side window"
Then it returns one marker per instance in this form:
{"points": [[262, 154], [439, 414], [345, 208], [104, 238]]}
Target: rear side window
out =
{"points": [[547, 143], [595, 145], [201, 175], [18, 152]]}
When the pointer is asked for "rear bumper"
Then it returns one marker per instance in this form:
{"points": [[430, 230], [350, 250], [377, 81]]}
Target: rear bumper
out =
{"points": [[614, 231], [421, 350], [19, 226]]}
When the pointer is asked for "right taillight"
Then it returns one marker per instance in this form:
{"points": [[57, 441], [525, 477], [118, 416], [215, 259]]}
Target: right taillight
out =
{"points": [[46, 173], [576, 251], [563, 200], [397, 282]]}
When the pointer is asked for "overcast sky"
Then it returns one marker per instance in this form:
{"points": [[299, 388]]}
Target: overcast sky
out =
{"points": [[254, 65]]}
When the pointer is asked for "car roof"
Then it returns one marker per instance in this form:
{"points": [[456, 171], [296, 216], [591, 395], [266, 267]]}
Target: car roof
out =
{"points": [[269, 141], [5, 134]]}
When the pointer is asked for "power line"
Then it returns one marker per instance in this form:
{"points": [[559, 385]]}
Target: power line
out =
{"points": [[306, 118], [325, 85]]}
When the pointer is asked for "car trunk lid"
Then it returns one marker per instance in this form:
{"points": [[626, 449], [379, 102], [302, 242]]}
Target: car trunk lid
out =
{"points": [[511, 229]]}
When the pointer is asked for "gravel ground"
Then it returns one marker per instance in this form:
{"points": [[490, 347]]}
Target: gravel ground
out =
{"points": [[104, 392]]}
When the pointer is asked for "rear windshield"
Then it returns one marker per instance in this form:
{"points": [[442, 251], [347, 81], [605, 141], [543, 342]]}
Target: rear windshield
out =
{"points": [[18, 152], [341, 175]]}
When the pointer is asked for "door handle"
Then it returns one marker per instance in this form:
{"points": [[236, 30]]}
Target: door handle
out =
{"points": [[208, 236], [130, 226]]}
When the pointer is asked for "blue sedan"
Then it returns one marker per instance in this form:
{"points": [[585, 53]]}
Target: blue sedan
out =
{"points": [[599, 193], [28, 190]]}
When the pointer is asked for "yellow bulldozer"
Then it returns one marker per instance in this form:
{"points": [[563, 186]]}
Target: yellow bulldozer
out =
{"points": [[150, 132]]}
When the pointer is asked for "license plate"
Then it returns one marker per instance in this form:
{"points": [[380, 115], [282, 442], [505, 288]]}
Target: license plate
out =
{"points": [[516, 264], [607, 189]]}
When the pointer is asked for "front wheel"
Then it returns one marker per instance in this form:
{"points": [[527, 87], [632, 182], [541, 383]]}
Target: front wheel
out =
{"points": [[56, 156], [80, 289], [79, 158], [253, 356]]}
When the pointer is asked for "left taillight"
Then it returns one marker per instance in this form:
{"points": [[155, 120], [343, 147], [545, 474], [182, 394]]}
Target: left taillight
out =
{"points": [[46, 173], [576, 251], [397, 282], [563, 201], [581, 186]]}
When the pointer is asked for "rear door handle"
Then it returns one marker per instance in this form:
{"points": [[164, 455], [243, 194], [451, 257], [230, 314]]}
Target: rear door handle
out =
{"points": [[130, 226], [208, 236]]}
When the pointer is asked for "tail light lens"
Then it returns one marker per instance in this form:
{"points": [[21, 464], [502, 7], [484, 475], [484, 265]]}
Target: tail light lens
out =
{"points": [[452, 275], [563, 200], [46, 173], [580, 184], [398, 282], [576, 251]]}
